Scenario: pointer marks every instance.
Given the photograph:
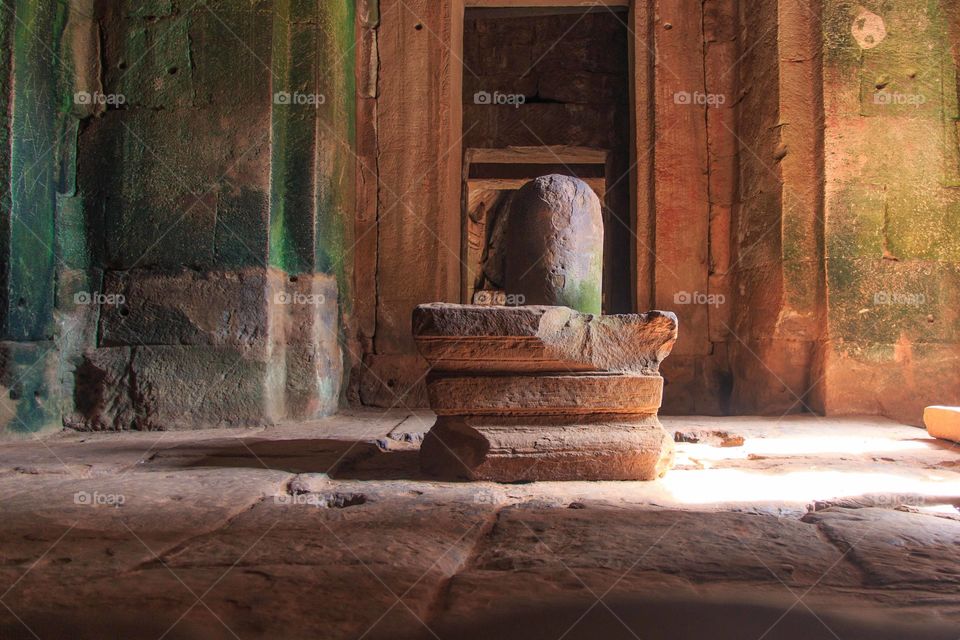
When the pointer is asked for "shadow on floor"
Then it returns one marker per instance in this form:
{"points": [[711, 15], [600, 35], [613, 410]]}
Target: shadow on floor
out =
{"points": [[340, 459], [628, 618], [612, 619]]}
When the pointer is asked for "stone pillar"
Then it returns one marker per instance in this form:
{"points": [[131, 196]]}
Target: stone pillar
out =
{"points": [[176, 262], [33, 184]]}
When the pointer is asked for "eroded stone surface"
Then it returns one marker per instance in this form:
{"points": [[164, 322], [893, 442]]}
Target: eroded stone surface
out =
{"points": [[230, 349], [276, 548], [893, 547], [518, 450], [943, 422], [554, 244], [545, 395], [542, 339], [187, 307]]}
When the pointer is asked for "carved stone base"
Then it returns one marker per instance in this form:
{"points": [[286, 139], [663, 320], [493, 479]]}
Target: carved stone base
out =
{"points": [[517, 451], [544, 393]]}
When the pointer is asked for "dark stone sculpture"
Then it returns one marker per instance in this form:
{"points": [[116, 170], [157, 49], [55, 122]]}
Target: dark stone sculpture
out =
{"points": [[554, 244]]}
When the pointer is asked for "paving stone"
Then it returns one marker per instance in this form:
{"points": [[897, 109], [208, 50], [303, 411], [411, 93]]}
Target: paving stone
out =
{"points": [[104, 525], [895, 549], [275, 553], [698, 546]]}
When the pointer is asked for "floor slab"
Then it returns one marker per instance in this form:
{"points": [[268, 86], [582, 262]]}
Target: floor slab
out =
{"points": [[329, 529]]}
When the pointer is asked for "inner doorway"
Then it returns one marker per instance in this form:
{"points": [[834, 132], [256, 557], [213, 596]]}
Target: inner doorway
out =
{"points": [[557, 81]]}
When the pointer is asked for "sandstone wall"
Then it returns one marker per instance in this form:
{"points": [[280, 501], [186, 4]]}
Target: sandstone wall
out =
{"points": [[776, 221], [183, 257], [892, 207], [182, 181]]}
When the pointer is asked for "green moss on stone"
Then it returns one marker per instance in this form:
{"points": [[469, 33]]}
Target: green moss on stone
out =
{"points": [[584, 296], [37, 122], [891, 228]]}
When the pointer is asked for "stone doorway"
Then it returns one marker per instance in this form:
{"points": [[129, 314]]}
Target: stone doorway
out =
{"points": [[555, 83], [490, 178]]}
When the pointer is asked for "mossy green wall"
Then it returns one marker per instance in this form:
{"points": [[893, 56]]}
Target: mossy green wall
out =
{"points": [[192, 165], [38, 141], [893, 205], [39, 130], [6, 65], [310, 169]]}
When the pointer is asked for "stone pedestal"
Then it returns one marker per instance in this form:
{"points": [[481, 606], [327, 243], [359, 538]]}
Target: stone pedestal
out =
{"points": [[544, 393]]}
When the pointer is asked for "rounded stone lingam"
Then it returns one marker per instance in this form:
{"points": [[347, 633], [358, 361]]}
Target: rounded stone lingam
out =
{"points": [[554, 244]]}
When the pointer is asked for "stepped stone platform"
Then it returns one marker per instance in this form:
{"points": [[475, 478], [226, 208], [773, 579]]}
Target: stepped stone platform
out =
{"points": [[544, 393]]}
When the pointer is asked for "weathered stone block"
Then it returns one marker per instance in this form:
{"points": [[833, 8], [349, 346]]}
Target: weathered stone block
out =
{"points": [[305, 333], [164, 75], [540, 339], [484, 449], [241, 232], [28, 388], [190, 387], [545, 394], [173, 387], [221, 308], [226, 46], [104, 395], [212, 349], [943, 422]]}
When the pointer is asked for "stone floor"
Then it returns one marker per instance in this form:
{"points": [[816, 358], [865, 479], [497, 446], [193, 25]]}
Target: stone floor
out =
{"points": [[807, 528]]}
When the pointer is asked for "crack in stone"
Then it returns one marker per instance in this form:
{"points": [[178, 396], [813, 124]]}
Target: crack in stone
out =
{"points": [[440, 601], [847, 556], [161, 558]]}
